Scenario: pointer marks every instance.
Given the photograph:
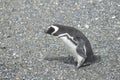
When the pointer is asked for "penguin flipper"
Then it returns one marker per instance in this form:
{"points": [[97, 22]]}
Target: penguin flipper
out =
{"points": [[81, 50]]}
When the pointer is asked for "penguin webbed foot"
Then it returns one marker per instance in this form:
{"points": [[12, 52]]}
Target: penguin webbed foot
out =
{"points": [[82, 65]]}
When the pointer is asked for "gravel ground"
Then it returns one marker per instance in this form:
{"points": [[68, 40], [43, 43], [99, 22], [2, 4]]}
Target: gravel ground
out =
{"points": [[23, 45]]}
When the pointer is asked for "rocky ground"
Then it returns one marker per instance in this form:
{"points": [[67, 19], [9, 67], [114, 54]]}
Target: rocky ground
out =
{"points": [[24, 46]]}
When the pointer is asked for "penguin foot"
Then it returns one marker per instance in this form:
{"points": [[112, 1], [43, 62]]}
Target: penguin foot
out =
{"points": [[79, 63], [83, 65]]}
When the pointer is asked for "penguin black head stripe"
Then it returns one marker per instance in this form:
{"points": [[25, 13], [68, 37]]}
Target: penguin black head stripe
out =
{"points": [[52, 30], [75, 40]]}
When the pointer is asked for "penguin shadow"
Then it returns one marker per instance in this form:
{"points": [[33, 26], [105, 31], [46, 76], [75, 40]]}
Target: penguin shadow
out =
{"points": [[70, 60], [67, 59]]}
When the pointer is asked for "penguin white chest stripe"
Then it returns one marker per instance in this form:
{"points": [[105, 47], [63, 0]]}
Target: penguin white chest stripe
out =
{"points": [[68, 37]]}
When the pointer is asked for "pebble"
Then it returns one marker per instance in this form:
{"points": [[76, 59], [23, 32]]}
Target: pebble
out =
{"points": [[113, 17], [118, 4], [14, 53], [78, 25], [100, 0], [96, 18], [86, 26], [118, 38]]}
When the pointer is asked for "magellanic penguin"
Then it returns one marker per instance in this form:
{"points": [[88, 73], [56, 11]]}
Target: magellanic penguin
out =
{"points": [[75, 40]]}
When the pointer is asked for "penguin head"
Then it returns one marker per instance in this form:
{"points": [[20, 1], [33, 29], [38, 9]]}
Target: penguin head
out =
{"points": [[52, 30], [57, 30]]}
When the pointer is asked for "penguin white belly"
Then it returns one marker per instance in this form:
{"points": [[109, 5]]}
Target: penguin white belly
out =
{"points": [[72, 46]]}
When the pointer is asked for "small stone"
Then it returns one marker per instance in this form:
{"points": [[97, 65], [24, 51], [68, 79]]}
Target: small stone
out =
{"points": [[118, 38], [8, 36], [30, 68], [100, 0], [78, 25], [56, 3], [61, 11], [91, 1], [14, 54], [83, 6], [3, 47], [20, 34], [54, 79], [76, 3], [86, 26], [41, 4], [118, 4], [17, 78], [39, 60], [96, 18], [113, 17]]}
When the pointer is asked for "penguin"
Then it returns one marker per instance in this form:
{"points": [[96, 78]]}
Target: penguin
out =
{"points": [[76, 41]]}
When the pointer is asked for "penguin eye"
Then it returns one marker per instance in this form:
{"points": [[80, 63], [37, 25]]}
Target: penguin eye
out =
{"points": [[50, 30]]}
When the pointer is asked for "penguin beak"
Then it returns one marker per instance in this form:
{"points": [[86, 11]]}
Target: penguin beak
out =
{"points": [[45, 31]]}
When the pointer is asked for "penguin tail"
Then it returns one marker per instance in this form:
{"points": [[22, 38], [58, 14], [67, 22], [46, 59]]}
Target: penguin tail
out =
{"points": [[96, 59], [93, 59]]}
